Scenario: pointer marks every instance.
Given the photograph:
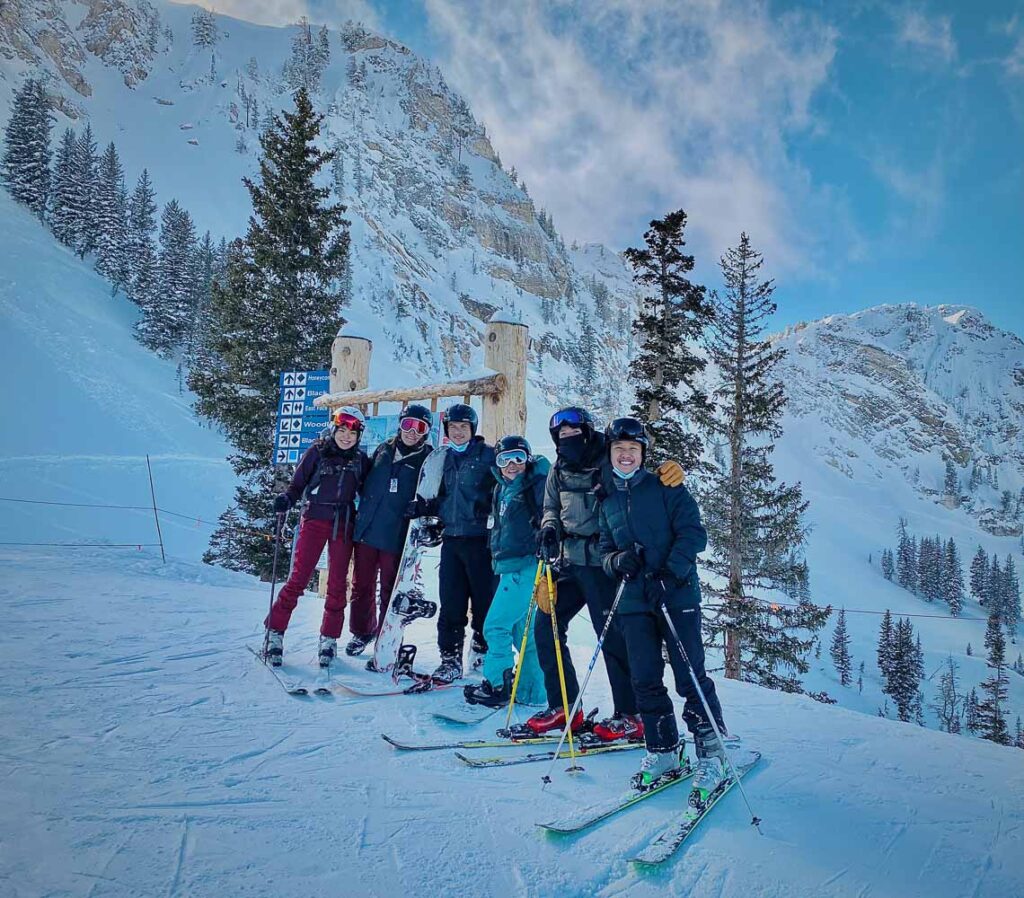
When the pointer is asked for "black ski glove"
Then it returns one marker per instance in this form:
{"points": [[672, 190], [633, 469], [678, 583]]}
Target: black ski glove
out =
{"points": [[282, 503], [548, 543], [627, 564], [417, 508]]}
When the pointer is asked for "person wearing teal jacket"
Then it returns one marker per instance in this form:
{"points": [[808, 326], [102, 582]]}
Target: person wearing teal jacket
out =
{"points": [[517, 505]]}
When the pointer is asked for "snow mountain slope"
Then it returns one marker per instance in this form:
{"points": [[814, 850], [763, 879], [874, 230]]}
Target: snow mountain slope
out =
{"points": [[151, 754]]}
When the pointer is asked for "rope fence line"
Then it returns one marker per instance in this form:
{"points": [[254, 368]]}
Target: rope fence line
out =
{"points": [[269, 536]]}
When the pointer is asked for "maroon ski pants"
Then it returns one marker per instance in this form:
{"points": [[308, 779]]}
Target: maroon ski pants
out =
{"points": [[370, 562], [313, 536]]}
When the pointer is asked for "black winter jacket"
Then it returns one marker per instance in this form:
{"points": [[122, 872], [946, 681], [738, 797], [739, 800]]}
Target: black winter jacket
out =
{"points": [[381, 521], [464, 498]]}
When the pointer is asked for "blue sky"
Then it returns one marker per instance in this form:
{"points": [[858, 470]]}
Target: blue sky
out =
{"points": [[874, 151]]}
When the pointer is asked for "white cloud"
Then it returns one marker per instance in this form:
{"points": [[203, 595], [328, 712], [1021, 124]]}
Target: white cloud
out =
{"points": [[931, 36], [287, 12], [616, 112], [920, 190]]}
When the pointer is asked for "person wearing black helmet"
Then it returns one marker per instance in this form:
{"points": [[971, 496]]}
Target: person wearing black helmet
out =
{"points": [[463, 503], [569, 537], [381, 523], [328, 475], [517, 501], [650, 539]]}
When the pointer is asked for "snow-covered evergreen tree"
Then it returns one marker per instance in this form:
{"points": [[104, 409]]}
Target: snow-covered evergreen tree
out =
{"points": [[1009, 597], [276, 307], [225, 546], [167, 320], [587, 349], [951, 482], [886, 644], [25, 166], [991, 714], [141, 250], [971, 712], [904, 677], [84, 187], [755, 524], [953, 579], [63, 216], [949, 702], [204, 28], [888, 565], [309, 58], [673, 316], [840, 650], [111, 220], [979, 575], [906, 558]]}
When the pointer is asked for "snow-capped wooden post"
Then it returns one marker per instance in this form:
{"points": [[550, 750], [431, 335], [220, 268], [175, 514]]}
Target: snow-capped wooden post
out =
{"points": [[505, 348], [350, 363]]}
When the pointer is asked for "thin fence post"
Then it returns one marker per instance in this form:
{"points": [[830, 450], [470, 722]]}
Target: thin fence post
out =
{"points": [[156, 516]]}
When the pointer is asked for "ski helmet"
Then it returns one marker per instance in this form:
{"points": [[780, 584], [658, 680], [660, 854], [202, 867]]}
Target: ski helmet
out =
{"points": [[512, 448], [460, 412], [628, 429], [573, 417], [349, 417], [419, 419]]}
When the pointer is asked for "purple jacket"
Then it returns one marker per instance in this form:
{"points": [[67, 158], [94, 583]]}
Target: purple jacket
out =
{"points": [[330, 479]]}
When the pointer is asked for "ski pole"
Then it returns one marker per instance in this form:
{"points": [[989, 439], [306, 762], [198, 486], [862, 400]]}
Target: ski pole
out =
{"points": [[755, 821], [523, 644], [273, 581], [561, 670], [586, 679]]}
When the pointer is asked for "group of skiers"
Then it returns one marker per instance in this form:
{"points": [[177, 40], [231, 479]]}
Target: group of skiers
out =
{"points": [[615, 534]]}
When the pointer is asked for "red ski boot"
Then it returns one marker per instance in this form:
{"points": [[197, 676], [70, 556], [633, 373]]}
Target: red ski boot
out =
{"points": [[624, 727], [553, 719]]}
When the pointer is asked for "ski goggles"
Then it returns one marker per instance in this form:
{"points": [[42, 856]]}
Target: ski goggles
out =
{"points": [[512, 456], [414, 424], [573, 417], [344, 419]]}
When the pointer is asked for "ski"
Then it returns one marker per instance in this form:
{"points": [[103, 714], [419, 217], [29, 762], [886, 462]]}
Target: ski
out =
{"points": [[415, 688], [324, 681], [469, 743], [464, 719], [531, 757], [668, 841], [583, 818], [292, 687]]}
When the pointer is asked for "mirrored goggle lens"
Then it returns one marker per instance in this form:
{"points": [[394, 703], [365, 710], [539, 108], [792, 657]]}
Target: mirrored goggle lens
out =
{"points": [[504, 459], [415, 424], [569, 416], [349, 421]]}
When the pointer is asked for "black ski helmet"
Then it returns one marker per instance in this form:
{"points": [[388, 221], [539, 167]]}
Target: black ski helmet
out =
{"points": [[419, 412], [460, 412], [510, 442], [574, 416], [628, 429]]}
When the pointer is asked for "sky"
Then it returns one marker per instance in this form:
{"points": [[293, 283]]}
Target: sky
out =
{"points": [[873, 151]]}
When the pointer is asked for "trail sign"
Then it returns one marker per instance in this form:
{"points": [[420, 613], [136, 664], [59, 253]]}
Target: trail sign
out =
{"points": [[298, 422]]}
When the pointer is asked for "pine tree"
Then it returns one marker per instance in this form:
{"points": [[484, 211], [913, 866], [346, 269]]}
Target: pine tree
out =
{"points": [[904, 674], [953, 579], [276, 307], [674, 315], [949, 703], [951, 483], [1019, 738], [906, 558], [110, 218], [927, 575], [84, 187], [588, 348], [204, 28], [25, 166], [141, 247], [197, 339], [971, 721], [63, 220], [840, 650], [887, 635], [994, 586], [975, 481], [226, 543], [755, 524], [888, 565], [167, 320], [979, 575], [308, 60], [991, 720], [1009, 597]]}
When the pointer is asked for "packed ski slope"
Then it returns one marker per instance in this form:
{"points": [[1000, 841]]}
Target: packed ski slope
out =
{"points": [[146, 752]]}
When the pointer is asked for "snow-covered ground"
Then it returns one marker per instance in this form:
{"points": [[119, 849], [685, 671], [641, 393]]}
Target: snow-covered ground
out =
{"points": [[146, 752]]}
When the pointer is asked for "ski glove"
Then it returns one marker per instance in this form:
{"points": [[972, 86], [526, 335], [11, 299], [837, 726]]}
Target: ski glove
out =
{"points": [[671, 473], [282, 503], [627, 564], [547, 543], [418, 508]]}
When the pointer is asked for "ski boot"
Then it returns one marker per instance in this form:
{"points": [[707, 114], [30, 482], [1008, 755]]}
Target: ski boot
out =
{"points": [[275, 648], [710, 770], [448, 671], [658, 767], [552, 719], [328, 650], [356, 645], [477, 650], [624, 727], [487, 695]]}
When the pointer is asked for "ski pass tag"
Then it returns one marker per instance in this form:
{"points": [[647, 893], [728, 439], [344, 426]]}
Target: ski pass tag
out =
{"points": [[490, 522], [394, 485]]}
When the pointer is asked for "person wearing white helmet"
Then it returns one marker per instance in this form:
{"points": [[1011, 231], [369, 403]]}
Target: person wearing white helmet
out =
{"points": [[329, 476]]}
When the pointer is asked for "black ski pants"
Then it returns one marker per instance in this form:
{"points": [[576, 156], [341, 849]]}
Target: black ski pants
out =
{"points": [[645, 633], [466, 579], [580, 585]]}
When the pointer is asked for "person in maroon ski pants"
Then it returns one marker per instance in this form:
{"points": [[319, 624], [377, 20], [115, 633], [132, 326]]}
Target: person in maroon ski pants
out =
{"points": [[329, 475], [382, 523]]}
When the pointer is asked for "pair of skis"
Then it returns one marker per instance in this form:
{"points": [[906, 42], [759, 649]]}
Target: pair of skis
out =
{"points": [[666, 842], [293, 686]]}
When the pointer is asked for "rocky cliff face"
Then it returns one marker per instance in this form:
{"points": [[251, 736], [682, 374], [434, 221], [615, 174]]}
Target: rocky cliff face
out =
{"points": [[910, 387]]}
